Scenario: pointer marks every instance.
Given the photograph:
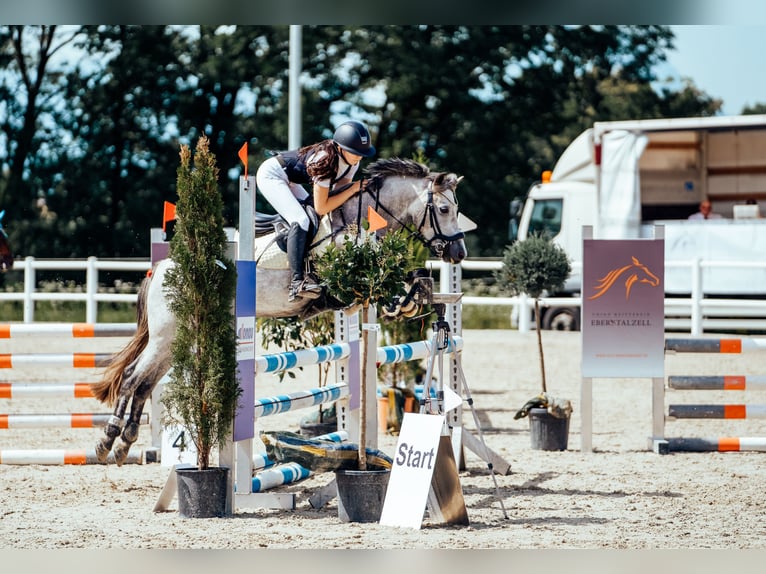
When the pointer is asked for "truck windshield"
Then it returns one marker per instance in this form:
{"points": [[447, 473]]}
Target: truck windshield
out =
{"points": [[546, 217]]}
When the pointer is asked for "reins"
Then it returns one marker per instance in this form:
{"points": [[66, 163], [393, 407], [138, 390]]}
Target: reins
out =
{"points": [[429, 217]]}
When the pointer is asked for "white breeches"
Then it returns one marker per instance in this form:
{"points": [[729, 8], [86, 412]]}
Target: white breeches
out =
{"points": [[283, 195]]}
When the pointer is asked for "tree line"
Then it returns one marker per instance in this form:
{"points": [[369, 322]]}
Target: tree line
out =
{"points": [[92, 118]]}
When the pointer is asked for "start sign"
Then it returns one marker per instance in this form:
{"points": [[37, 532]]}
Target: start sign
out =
{"points": [[420, 461]]}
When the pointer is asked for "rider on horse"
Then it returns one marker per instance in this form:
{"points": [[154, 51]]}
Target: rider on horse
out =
{"points": [[329, 166]]}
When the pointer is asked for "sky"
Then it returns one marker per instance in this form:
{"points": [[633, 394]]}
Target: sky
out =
{"points": [[726, 62]]}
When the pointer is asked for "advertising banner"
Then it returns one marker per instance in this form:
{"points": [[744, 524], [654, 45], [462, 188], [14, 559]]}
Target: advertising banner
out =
{"points": [[623, 311]]}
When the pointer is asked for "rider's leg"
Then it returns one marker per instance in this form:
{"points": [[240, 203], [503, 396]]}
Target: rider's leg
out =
{"points": [[286, 198], [300, 284]]}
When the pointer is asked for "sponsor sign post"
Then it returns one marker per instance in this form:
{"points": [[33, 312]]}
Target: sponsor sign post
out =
{"points": [[623, 314]]}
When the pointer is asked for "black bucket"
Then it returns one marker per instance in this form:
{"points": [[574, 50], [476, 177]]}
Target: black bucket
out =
{"points": [[202, 493], [361, 494], [546, 431]]}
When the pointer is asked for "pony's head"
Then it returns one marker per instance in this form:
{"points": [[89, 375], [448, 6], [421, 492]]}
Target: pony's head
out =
{"points": [[6, 255], [441, 223]]}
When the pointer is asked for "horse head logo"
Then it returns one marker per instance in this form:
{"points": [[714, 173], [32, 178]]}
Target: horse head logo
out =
{"points": [[634, 273]]}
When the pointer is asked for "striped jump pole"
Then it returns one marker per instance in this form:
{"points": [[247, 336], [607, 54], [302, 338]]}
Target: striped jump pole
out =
{"points": [[283, 474], [267, 406], [74, 330], [271, 476], [412, 351], [723, 444], [75, 360], [385, 355], [69, 420], [717, 411], [78, 390], [291, 359], [730, 346], [62, 456], [717, 382]]}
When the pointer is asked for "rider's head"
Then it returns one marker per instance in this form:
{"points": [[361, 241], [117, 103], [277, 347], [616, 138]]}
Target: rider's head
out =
{"points": [[354, 137]]}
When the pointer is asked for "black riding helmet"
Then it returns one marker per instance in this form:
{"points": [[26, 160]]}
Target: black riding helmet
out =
{"points": [[354, 137]]}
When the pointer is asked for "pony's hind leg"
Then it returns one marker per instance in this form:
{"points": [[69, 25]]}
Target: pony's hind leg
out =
{"points": [[113, 427], [153, 363], [132, 425]]}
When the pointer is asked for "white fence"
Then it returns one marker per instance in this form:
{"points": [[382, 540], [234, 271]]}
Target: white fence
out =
{"points": [[90, 295], [693, 314]]}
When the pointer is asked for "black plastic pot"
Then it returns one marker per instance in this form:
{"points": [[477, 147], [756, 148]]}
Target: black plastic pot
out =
{"points": [[361, 494], [202, 493], [546, 431]]}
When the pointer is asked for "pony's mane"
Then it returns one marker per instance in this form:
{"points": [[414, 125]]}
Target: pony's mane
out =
{"points": [[384, 168]]}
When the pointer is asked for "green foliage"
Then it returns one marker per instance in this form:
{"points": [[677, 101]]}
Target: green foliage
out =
{"points": [[99, 146], [291, 333], [366, 270], [203, 390], [533, 266]]}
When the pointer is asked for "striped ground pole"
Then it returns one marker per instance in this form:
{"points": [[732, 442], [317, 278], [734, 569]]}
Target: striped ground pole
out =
{"points": [[76, 360], [61, 456], [267, 406], [717, 411], [722, 444], [733, 346], [11, 390], [411, 351], [75, 330], [277, 476], [69, 420], [289, 360], [717, 382]]}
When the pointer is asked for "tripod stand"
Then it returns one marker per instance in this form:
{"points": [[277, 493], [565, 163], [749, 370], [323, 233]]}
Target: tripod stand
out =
{"points": [[442, 340]]}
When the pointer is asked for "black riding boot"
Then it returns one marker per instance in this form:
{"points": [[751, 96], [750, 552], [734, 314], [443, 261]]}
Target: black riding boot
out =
{"points": [[300, 286]]}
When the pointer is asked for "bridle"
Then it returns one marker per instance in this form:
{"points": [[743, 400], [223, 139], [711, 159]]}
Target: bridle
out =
{"points": [[439, 241]]}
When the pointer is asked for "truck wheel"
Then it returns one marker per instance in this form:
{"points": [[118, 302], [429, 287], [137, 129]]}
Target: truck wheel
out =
{"points": [[562, 319]]}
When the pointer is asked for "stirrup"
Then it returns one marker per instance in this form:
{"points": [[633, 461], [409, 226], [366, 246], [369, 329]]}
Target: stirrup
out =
{"points": [[304, 290], [309, 289]]}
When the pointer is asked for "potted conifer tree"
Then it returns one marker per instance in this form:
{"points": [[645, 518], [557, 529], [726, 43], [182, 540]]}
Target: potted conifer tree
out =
{"points": [[535, 266], [202, 392], [364, 270]]}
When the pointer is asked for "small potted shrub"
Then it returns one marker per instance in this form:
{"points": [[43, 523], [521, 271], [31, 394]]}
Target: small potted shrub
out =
{"points": [[366, 271], [535, 266], [202, 392]]}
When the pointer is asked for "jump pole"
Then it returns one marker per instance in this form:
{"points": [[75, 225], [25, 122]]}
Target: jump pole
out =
{"points": [[740, 411]]}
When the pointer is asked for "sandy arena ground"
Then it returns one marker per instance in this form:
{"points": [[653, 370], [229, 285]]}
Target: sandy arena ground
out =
{"points": [[621, 496]]}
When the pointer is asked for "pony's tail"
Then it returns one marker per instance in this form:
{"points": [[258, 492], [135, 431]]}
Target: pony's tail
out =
{"points": [[108, 388]]}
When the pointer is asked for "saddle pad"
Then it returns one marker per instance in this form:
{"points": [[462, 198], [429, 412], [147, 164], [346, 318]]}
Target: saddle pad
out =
{"points": [[270, 256]]}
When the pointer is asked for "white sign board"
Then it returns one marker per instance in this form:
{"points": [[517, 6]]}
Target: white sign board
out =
{"points": [[177, 447], [413, 467]]}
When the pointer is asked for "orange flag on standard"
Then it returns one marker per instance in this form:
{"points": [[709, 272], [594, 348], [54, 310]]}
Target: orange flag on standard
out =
{"points": [[243, 156], [376, 221], [168, 214]]}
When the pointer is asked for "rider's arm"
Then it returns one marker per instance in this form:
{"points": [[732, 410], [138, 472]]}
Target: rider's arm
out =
{"points": [[323, 203]]}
